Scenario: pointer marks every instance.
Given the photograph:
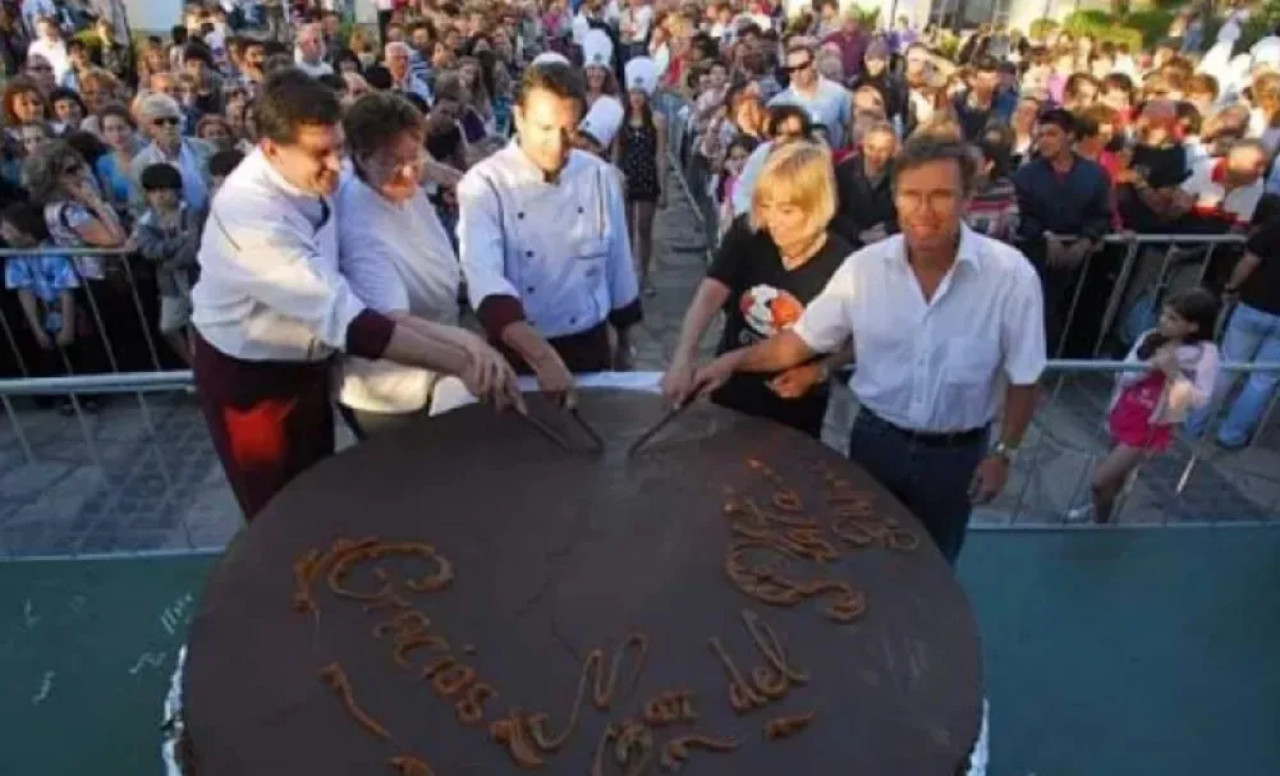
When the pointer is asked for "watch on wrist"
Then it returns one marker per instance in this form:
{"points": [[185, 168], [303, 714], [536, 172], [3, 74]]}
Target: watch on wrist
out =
{"points": [[1005, 450]]}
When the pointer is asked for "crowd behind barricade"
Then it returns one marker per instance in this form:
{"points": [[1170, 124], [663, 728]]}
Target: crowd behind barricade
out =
{"points": [[119, 144]]}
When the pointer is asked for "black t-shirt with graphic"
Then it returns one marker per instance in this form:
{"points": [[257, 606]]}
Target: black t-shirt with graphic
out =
{"points": [[765, 298]]}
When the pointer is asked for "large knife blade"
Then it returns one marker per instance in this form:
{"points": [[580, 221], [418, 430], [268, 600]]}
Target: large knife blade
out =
{"points": [[597, 442], [653, 431], [546, 431]]}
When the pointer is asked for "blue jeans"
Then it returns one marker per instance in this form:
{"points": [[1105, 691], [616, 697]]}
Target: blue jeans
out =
{"points": [[1252, 336], [931, 481]]}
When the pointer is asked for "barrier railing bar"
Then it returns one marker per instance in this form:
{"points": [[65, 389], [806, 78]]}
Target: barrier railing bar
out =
{"points": [[84, 250], [133, 554], [112, 382], [181, 379]]}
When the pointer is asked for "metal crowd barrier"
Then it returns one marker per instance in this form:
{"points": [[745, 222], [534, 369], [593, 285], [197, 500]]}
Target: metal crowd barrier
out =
{"points": [[1068, 437], [1152, 267]]}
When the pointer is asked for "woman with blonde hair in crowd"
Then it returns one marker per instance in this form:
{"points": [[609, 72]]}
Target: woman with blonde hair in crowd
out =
{"points": [[99, 89], [772, 262], [152, 59]]}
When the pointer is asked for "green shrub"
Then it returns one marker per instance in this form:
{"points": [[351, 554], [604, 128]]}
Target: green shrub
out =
{"points": [[1153, 24], [1103, 26], [1041, 28], [1260, 24]]}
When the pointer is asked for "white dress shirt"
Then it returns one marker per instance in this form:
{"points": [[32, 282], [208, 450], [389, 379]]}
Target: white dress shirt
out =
{"points": [[269, 287], [934, 366], [396, 258], [56, 54], [315, 70], [561, 249]]}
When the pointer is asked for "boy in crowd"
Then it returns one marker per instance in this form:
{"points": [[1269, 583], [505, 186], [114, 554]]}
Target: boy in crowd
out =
{"points": [[168, 233]]}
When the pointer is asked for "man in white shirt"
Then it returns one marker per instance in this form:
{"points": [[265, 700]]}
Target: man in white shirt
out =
{"points": [[942, 319], [50, 44], [543, 242], [1223, 192], [403, 79], [308, 52], [633, 28], [270, 308], [394, 253]]}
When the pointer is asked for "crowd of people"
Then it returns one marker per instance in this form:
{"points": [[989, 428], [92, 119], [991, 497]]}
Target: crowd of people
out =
{"points": [[273, 190]]}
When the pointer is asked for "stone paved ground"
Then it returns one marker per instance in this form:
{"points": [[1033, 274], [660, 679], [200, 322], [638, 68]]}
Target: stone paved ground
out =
{"points": [[141, 475]]}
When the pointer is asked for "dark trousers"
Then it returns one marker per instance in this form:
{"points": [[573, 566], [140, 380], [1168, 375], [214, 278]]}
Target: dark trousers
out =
{"points": [[586, 351], [930, 479], [269, 420]]}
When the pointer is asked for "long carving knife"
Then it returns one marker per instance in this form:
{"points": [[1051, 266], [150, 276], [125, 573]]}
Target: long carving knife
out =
{"points": [[546, 431], [597, 442], [653, 431]]}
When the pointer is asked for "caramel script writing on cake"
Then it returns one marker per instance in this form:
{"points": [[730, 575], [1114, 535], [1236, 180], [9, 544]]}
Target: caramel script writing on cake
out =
{"points": [[769, 537]]}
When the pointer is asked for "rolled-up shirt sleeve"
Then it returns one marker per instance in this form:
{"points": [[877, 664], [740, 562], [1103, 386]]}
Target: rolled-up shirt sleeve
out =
{"points": [[827, 321], [624, 289], [1022, 329], [269, 256], [482, 255]]}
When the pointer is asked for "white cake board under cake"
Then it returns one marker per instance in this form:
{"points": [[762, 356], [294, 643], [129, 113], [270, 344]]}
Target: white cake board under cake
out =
{"points": [[450, 394]]}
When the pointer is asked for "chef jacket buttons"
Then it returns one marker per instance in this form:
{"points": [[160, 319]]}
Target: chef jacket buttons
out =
{"points": [[529, 289], [520, 214], [528, 254], [573, 321], [580, 211]]}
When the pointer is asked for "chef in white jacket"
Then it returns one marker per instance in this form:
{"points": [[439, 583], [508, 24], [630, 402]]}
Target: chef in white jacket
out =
{"points": [[270, 309], [543, 242]]}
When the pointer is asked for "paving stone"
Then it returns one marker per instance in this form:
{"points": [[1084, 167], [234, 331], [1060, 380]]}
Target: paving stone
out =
{"points": [[28, 481]]}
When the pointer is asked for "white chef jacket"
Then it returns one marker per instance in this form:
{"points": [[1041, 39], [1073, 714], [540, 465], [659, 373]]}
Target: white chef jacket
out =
{"points": [[933, 366], [396, 257], [561, 249], [269, 287]]}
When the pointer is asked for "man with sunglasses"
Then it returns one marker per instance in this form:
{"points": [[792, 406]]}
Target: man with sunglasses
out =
{"points": [[827, 102], [271, 308], [161, 120]]}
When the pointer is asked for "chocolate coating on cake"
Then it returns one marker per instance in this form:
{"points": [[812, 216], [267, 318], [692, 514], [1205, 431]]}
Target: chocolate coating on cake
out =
{"points": [[537, 559]]}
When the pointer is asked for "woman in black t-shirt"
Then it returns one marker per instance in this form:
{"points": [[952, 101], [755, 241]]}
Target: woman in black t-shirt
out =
{"points": [[770, 264]]}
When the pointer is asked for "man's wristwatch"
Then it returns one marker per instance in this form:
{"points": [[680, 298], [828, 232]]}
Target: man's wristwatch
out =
{"points": [[1006, 451]]}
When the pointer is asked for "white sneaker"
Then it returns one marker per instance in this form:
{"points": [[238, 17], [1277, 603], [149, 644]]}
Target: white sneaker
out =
{"points": [[1080, 514]]}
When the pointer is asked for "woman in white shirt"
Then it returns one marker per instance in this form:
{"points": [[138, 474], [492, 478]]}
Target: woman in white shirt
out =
{"points": [[394, 254]]}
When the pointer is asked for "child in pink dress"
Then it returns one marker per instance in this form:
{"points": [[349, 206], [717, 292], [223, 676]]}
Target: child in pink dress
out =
{"points": [[1176, 366]]}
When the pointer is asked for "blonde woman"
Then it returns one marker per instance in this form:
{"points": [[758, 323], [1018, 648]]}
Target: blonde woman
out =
{"points": [[773, 260]]}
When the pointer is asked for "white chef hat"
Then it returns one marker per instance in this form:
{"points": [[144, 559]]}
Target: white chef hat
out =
{"points": [[551, 58], [597, 49], [642, 73], [603, 120], [579, 27]]}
